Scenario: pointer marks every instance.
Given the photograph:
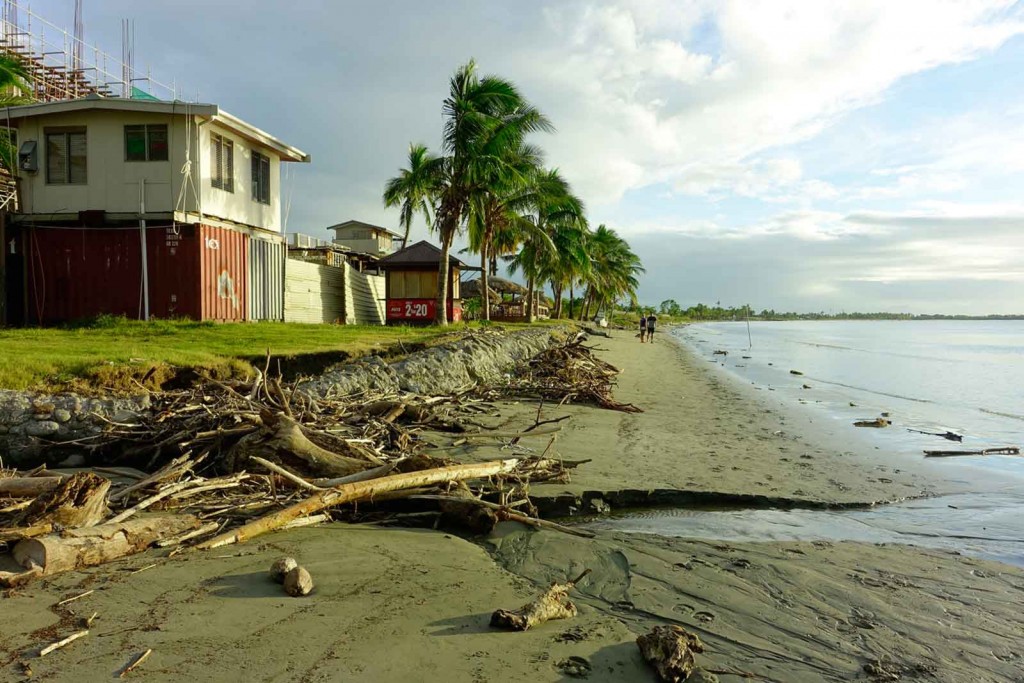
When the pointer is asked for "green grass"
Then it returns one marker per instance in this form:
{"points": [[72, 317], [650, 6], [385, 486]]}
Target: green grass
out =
{"points": [[117, 353]]}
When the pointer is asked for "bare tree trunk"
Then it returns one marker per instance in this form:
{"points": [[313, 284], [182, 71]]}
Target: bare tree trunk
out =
{"points": [[530, 286], [485, 280], [556, 289], [441, 315], [586, 304]]}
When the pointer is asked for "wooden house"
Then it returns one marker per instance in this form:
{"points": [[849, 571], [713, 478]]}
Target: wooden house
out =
{"points": [[411, 284]]}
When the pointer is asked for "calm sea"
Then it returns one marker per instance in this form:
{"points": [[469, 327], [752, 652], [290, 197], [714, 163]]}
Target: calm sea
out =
{"points": [[965, 376]]}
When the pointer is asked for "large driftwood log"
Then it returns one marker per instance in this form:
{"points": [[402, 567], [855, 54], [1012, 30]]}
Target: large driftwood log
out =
{"points": [[347, 493], [288, 438], [554, 603], [670, 650], [78, 501], [76, 548], [27, 487]]}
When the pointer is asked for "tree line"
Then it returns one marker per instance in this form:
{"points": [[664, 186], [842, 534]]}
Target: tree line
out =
{"points": [[490, 181], [718, 312]]}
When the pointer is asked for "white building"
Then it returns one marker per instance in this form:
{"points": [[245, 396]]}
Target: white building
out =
{"points": [[113, 155], [365, 238]]}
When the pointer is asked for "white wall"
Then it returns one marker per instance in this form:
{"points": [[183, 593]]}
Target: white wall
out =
{"points": [[113, 184]]}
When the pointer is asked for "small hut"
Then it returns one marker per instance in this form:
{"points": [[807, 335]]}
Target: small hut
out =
{"points": [[511, 304], [411, 284]]}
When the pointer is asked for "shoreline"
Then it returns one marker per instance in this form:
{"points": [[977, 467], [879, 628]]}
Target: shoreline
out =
{"points": [[397, 604]]}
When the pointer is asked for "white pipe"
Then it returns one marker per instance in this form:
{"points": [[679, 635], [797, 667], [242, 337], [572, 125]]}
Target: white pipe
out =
{"points": [[145, 258]]}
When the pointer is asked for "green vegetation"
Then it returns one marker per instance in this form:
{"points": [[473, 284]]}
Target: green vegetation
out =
{"points": [[717, 312], [489, 181], [119, 353]]}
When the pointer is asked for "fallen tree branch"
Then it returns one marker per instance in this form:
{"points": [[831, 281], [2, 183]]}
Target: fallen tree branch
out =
{"points": [[553, 603]]}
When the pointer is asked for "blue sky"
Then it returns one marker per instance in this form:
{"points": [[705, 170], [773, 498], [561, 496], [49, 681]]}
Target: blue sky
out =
{"points": [[847, 155]]}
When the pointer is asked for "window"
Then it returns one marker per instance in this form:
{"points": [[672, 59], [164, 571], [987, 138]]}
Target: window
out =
{"points": [[222, 163], [261, 178], [145, 142], [65, 157]]}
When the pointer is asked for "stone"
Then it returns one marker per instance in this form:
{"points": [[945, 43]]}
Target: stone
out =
{"points": [[44, 428], [61, 415], [76, 460]]}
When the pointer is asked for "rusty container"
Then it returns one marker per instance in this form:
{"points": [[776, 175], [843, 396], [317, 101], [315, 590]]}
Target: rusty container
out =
{"points": [[223, 274]]}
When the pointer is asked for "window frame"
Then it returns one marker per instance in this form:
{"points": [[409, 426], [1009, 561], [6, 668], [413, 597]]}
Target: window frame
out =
{"points": [[222, 153], [260, 167], [66, 132], [147, 130]]}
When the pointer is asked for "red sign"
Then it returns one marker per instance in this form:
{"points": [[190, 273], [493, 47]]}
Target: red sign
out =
{"points": [[419, 309]]}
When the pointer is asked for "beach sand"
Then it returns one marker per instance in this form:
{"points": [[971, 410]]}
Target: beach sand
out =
{"points": [[395, 604]]}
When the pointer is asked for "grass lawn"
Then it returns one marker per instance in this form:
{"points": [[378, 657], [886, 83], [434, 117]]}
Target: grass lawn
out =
{"points": [[117, 353]]}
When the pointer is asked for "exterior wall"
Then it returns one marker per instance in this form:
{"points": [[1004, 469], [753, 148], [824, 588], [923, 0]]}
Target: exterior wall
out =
{"points": [[364, 298], [313, 293], [114, 184], [238, 206], [370, 246], [266, 279]]}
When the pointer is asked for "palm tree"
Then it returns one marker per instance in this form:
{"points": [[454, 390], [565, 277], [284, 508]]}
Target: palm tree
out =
{"points": [[495, 210], [15, 89], [555, 210], [414, 188], [614, 270], [484, 118]]}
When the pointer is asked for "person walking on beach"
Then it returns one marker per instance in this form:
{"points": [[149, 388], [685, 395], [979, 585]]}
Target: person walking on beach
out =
{"points": [[652, 320], [643, 327]]}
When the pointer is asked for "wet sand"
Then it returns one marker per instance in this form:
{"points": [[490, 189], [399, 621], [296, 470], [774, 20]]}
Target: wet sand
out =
{"points": [[393, 604]]}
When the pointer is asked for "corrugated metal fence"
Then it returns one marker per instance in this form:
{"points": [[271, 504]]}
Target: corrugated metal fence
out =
{"points": [[266, 279], [364, 298], [313, 293]]}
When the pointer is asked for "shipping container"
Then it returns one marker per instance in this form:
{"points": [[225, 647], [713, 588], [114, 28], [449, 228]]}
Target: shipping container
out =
{"points": [[196, 272], [223, 254], [266, 279]]}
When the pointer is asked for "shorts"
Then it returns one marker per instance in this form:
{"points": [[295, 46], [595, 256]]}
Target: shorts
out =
{"points": [[650, 331]]}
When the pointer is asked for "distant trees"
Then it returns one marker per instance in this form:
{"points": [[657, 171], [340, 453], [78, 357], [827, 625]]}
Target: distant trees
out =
{"points": [[15, 89]]}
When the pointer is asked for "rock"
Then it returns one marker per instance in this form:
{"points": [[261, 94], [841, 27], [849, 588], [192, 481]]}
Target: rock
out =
{"points": [[794, 372], [76, 460], [298, 582], [42, 428], [125, 417], [281, 567], [61, 415]]}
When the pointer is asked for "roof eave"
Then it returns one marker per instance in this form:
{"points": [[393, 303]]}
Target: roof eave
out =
{"points": [[247, 130]]}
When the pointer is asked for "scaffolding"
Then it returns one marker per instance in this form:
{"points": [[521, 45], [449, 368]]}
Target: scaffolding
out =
{"points": [[61, 66]]}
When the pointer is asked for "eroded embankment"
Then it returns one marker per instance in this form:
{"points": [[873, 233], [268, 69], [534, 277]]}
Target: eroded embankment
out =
{"points": [[40, 427]]}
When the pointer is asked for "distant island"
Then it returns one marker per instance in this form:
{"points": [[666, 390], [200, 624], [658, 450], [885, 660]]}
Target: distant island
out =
{"points": [[717, 312]]}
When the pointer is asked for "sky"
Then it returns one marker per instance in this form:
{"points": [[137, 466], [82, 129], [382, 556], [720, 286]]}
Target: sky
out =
{"points": [[804, 155]]}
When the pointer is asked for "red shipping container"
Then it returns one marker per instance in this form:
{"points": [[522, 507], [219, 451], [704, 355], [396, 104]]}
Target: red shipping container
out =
{"points": [[196, 272]]}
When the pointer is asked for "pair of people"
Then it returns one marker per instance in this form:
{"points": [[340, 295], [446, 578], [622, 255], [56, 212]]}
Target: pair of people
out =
{"points": [[647, 324]]}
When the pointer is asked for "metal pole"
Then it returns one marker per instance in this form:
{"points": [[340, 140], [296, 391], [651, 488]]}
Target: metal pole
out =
{"points": [[145, 259]]}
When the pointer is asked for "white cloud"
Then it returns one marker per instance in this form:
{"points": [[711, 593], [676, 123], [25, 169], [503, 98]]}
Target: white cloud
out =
{"points": [[706, 91]]}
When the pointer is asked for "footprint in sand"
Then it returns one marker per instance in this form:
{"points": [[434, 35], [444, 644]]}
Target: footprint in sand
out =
{"points": [[577, 667], [704, 617]]}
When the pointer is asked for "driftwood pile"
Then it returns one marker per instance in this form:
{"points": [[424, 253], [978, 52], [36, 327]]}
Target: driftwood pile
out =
{"points": [[567, 374], [229, 462]]}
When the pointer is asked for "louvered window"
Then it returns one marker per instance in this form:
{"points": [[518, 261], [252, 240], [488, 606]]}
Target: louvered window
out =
{"points": [[261, 178], [222, 163], [66, 157], [145, 142]]}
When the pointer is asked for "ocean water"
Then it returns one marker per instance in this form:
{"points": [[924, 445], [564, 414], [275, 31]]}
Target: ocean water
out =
{"points": [[965, 377]]}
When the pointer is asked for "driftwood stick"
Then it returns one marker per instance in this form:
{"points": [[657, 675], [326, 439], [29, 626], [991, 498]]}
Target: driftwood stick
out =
{"points": [[358, 476], [135, 663], [27, 487], [293, 478], [362, 490], [62, 642], [145, 503], [207, 528], [76, 597], [174, 468], [503, 434]]}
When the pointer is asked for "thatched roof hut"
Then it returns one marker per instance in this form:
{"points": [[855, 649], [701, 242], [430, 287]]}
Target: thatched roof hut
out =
{"points": [[503, 286], [471, 289]]}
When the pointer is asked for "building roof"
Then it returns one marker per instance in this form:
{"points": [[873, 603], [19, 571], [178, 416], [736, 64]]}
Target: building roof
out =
{"points": [[423, 253], [362, 224], [210, 112]]}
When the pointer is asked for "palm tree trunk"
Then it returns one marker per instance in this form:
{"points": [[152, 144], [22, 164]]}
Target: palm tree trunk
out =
{"points": [[441, 315], [484, 279], [571, 295], [586, 304], [529, 300], [556, 289]]}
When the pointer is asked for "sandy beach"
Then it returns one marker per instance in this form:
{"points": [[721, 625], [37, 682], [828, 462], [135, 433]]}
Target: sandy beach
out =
{"points": [[398, 604]]}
